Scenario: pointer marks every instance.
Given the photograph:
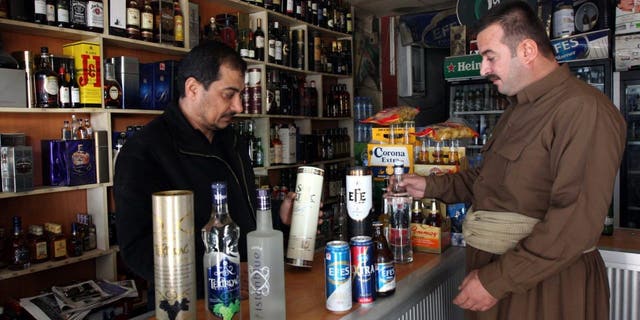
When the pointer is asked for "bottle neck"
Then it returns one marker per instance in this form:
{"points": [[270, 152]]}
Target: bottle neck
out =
{"points": [[264, 220], [219, 209]]}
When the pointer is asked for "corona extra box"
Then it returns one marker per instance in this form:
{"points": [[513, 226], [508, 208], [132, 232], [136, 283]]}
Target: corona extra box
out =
{"points": [[382, 156], [88, 63], [384, 135]]}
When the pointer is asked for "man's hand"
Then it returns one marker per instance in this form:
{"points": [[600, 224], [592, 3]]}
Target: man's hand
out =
{"points": [[414, 184], [473, 295], [286, 209]]}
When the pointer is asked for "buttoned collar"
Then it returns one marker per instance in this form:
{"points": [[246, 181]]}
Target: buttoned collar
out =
{"points": [[539, 88]]}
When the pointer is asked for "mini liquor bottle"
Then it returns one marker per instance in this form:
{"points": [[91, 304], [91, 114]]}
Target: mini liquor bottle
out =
{"points": [[38, 246], [19, 254], [57, 241]]}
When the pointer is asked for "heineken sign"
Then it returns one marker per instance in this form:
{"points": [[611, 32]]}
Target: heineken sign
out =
{"points": [[462, 67]]}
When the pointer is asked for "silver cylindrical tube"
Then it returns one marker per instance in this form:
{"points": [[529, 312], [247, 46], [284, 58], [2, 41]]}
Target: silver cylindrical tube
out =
{"points": [[304, 219], [174, 254], [25, 58]]}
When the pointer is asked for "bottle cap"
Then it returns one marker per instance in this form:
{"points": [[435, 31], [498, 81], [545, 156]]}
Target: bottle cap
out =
{"points": [[219, 193], [264, 199]]}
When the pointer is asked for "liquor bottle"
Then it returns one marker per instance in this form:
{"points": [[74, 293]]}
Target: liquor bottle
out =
{"points": [[400, 204], [312, 93], [74, 245], [228, 34], [416, 211], [88, 129], [434, 218], [112, 89], [95, 16], [74, 89], [341, 219], [66, 131], [243, 43], [277, 148], [251, 45], [221, 259], [383, 263], [64, 91], [258, 153], [40, 11], [62, 13], [258, 35], [57, 241], [19, 254], [607, 230], [359, 201], [178, 25], [51, 12], [146, 21], [265, 254], [78, 16], [289, 8], [133, 19], [285, 41], [90, 240], [4, 12], [276, 5], [46, 82], [38, 246]]}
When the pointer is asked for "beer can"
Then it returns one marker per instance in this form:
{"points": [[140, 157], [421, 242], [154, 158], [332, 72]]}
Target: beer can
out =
{"points": [[337, 266], [304, 219], [174, 252], [359, 200], [362, 264]]}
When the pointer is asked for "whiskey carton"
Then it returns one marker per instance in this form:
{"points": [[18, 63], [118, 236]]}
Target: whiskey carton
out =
{"points": [[68, 162], [88, 63], [16, 168]]}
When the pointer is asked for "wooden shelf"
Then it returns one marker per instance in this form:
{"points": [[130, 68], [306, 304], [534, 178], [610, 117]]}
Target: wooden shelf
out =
{"points": [[89, 255], [458, 113], [50, 110], [51, 189], [46, 30], [314, 163]]}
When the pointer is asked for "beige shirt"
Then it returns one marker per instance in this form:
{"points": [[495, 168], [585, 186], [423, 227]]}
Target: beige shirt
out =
{"points": [[554, 155]]}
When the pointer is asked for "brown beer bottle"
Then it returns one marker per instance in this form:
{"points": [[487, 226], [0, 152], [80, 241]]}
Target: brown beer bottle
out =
{"points": [[383, 263], [434, 219]]}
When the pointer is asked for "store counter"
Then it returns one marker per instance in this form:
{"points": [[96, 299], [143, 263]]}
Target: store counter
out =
{"points": [[425, 289]]}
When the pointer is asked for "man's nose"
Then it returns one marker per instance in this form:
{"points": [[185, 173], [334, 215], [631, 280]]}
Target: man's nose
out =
{"points": [[236, 103]]}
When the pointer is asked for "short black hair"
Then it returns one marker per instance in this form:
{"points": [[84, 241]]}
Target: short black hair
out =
{"points": [[519, 22], [203, 63]]}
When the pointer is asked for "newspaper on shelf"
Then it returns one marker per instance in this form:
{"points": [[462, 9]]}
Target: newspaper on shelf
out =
{"points": [[76, 301]]}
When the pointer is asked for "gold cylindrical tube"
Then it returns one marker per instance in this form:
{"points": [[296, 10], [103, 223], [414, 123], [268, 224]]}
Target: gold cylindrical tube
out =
{"points": [[174, 254]]}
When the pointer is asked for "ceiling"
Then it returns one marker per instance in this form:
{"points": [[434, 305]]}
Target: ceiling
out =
{"points": [[383, 8]]}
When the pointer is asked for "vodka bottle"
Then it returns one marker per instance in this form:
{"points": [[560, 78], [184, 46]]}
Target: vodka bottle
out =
{"points": [[266, 265], [221, 259], [399, 202]]}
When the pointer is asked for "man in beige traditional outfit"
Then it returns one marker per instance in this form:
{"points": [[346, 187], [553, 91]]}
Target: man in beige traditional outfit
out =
{"points": [[542, 193]]}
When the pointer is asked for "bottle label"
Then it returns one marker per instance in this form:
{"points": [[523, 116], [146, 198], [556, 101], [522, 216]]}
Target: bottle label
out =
{"points": [[40, 7], [78, 10], [75, 95], [63, 15], [95, 14], [278, 50], [147, 20], [21, 255], [223, 285], [64, 95], [51, 85], [51, 13], [359, 201], [41, 250], [272, 48], [59, 248], [244, 53], [114, 92], [385, 276], [81, 162], [178, 29], [133, 16], [259, 279], [260, 42]]}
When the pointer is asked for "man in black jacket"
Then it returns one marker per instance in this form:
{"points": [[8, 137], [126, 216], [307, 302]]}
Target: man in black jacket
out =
{"points": [[188, 147]]}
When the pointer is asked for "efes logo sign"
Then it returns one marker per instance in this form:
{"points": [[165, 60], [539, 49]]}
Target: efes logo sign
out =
{"points": [[470, 11], [462, 67]]}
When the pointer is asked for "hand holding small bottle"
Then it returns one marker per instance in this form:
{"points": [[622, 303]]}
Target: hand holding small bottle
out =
{"points": [[415, 185]]}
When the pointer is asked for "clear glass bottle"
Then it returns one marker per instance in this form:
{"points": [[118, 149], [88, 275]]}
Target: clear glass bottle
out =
{"points": [[341, 219], [221, 259], [400, 204], [19, 255], [265, 252]]}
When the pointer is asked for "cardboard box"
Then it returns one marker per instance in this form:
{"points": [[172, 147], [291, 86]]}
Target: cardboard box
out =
{"points": [[88, 64], [12, 139], [68, 162], [16, 168], [157, 88], [13, 88], [382, 156], [383, 135], [425, 238], [146, 100]]}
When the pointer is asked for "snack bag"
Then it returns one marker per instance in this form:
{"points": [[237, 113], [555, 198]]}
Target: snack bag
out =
{"points": [[393, 115], [446, 131]]}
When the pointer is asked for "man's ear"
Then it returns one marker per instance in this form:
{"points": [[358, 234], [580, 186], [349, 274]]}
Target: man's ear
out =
{"points": [[191, 87], [528, 50]]}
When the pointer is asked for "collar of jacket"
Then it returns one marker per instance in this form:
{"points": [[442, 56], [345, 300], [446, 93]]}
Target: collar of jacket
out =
{"points": [[541, 87], [193, 142]]}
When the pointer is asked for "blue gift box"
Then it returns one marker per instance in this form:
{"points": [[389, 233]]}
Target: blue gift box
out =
{"points": [[157, 87], [68, 162]]}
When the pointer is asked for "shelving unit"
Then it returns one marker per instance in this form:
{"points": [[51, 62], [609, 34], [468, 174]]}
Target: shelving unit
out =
{"points": [[60, 204]]}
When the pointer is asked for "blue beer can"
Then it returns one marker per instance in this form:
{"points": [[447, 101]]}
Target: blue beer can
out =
{"points": [[337, 266], [363, 270]]}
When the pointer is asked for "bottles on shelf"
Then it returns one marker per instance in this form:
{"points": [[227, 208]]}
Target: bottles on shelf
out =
{"points": [[178, 25], [19, 257], [38, 246], [46, 82], [133, 19]]}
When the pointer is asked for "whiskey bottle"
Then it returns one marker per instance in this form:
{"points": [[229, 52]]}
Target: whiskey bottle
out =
{"points": [[19, 254], [78, 15], [38, 246], [57, 241], [178, 25], [265, 252], [221, 258], [112, 89], [64, 90], [133, 19], [51, 12], [46, 82], [95, 16], [62, 13], [40, 11], [74, 245], [146, 23], [74, 89]]}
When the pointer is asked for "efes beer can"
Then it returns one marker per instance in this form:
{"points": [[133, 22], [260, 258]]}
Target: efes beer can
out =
{"points": [[363, 284], [337, 266], [304, 219]]}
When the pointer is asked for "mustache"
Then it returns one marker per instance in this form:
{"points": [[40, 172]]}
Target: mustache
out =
{"points": [[492, 77]]}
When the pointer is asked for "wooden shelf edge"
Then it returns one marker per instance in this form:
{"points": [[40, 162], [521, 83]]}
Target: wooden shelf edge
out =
{"points": [[314, 163], [50, 110], [8, 274], [51, 189]]}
